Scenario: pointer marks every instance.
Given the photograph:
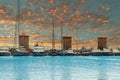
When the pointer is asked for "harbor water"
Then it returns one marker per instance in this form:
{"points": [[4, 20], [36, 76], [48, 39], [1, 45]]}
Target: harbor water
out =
{"points": [[60, 68]]}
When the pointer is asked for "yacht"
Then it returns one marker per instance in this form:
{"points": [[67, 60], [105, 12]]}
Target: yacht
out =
{"points": [[4, 52], [38, 50], [53, 52], [85, 52], [116, 52], [106, 52], [62, 52], [96, 52], [20, 52], [69, 52]]}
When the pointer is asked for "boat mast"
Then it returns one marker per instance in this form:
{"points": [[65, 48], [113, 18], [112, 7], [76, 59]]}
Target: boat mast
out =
{"points": [[18, 21], [76, 37], [15, 31], [53, 35], [16, 38], [61, 35]]}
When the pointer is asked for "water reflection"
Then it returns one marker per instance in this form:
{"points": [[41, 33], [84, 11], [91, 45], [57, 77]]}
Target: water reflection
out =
{"points": [[6, 69], [52, 67], [102, 65], [65, 71], [58, 71], [20, 68]]}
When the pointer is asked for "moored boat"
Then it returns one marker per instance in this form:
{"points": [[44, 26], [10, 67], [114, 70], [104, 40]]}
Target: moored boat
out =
{"points": [[116, 52], [96, 52], [61, 52], [20, 52], [85, 52], [4, 52], [107, 52], [53, 52], [69, 52], [38, 50]]}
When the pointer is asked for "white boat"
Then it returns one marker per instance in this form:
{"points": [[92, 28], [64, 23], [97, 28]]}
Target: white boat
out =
{"points": [[107, 52], [85, 52], [115, 52], [104, 52], [20, 52], [69, 52], [38, 50], [53, 52], [96, 52], [61, 52], [4, 52]]}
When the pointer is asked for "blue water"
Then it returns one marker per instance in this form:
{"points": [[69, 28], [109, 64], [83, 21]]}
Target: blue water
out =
{"points": [[60, 68]]}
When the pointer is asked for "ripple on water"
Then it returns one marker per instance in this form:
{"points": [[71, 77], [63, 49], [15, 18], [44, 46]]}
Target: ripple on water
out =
{"points": [[60, 68]]}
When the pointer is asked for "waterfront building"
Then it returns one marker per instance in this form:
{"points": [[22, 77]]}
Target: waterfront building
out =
{"points": [[67, 42], [102, 43]]}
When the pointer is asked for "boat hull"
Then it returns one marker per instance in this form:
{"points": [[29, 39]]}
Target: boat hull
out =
{"points": [[107, 54], [97, 54], [85, 54], [53, 54], [5, 54], [102, 54], [17, 53], [117, 53], [69, 54], [38, 53]]}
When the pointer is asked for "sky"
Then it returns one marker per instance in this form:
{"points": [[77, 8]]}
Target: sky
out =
{"points": [[84, 20]]}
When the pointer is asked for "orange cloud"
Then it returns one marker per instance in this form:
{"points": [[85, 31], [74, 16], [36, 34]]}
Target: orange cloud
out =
{"points": [[5, 28], [7, 21], [81, 43], [42, 8], [105, 20], [65, 8], [2, 11], [91, 17], [33, 2], [53, 11], [51, 1], [6, 41]]}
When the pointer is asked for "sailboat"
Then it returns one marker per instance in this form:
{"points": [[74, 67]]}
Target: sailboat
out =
{"points": [[62, 51], [21, 50], [53, 51]]}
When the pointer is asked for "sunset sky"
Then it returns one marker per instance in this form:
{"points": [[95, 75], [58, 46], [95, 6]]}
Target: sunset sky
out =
{"points": [[92, 18]]}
